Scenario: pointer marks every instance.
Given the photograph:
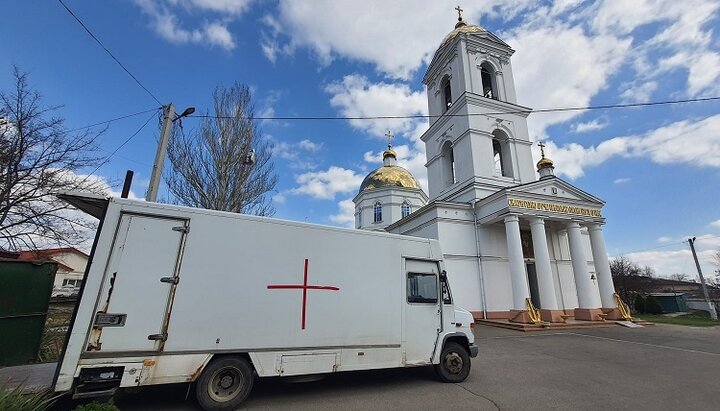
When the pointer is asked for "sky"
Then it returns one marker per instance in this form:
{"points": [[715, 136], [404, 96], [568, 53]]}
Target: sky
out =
{"points": [[657, 167]]}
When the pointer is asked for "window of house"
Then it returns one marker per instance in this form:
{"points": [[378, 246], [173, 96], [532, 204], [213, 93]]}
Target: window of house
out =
{"points": [[377, 212], [422, 288], [405, 209], [71, 283], [447, 93]]}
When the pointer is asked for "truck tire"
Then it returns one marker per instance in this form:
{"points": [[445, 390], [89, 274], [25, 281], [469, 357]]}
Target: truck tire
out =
{"points": [[454, 363], [224, 384]]}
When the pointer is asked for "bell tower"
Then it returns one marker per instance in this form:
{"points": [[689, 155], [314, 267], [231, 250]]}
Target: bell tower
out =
{"points": [[478, 139]]}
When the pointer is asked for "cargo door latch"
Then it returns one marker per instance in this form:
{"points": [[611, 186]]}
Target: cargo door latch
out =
{"points": [[170, 280], [158, 337]]}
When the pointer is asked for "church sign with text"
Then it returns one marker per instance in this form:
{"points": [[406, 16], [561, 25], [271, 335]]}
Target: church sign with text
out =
{"points": [[557, 208]]}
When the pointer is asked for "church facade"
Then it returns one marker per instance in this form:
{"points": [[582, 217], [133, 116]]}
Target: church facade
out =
{"points": [[519, 243]]}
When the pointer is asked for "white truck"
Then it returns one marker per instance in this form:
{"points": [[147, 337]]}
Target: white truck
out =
{"points": [[182, 295]]}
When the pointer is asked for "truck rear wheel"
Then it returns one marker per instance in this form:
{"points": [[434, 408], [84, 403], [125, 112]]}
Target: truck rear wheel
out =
{"points": [[454, 363], [224, 384]]}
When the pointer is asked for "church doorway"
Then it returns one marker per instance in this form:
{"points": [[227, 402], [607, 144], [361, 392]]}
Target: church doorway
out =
{"points": [[533, 283]]}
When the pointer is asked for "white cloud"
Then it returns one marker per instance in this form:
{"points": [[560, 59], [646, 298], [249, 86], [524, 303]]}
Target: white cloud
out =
{"points": [[622, 180], [715, 224], [556, 52], [325, 185], [594, 125], [641, 93], [308, 145], [680, 260], [355, 96], [168, 25], [690, 142], [396, 37], [298, 155], [664, 239], [346, 214]]}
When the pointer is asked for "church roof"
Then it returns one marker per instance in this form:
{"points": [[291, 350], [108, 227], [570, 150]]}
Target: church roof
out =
{"points": [[389, 175]]}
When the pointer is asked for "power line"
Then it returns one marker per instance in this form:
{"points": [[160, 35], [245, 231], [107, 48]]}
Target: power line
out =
{"points": [[112, 120], [109, 52], [650, 249], [127, 140], [542, 110]]}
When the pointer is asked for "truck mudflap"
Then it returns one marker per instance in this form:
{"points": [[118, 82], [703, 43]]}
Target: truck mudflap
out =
{"points": [[474, 350]]}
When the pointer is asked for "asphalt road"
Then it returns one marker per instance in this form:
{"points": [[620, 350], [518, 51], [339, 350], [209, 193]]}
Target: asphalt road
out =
{"points": [[661, 367]]}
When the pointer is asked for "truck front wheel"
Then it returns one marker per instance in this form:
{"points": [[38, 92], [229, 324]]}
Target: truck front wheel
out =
{"points": [[454, 363], [224, 384]]}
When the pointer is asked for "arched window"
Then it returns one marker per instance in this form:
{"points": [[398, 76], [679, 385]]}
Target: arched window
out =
{"points": [[359, 218], [448, 160], [502, 160], [405, 209], [446, 93], [377, 212], [489, 86]]}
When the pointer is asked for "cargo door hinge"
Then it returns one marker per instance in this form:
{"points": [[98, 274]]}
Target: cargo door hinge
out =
{"points": [[170, 280], [182, 229]]}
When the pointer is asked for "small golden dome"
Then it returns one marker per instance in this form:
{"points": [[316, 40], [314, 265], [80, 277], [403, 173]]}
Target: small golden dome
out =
{"points": [[462, 28], [544, 163], [389, 176], [389, 153]]}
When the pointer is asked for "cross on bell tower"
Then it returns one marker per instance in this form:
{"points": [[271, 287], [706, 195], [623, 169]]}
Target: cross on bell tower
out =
{"points": [[459, 10]]}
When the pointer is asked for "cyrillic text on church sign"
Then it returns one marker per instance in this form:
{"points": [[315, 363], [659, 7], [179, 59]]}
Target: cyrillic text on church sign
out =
{"points": [[558, 208]]}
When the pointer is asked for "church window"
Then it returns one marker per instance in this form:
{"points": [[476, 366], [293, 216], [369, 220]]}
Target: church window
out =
{"points": [[447, 93], [448, 159], [359, 218], [377, 212], [489, 87], [405, 209], [501, 154]]}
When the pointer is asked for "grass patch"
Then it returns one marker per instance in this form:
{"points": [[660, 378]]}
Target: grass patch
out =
{"points": [[695, 319], [16, 400], [56, 326]]}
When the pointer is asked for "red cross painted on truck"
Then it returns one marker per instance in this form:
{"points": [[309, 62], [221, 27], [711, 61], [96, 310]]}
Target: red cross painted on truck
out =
{"points": [[304, 287]]}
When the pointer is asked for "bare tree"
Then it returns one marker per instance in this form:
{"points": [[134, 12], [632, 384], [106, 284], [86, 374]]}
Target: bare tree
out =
{"points": [[211, 166], [629, 278], [679, 277], [38, 159]]}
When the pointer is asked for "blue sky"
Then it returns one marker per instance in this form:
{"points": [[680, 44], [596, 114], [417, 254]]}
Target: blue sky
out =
{"points": [[658, 168]]}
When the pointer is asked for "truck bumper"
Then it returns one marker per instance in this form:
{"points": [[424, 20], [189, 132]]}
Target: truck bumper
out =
{"points": [[473, 350]]}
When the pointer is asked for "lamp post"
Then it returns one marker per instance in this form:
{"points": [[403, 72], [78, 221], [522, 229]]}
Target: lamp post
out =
{"points": [[162, 148]]}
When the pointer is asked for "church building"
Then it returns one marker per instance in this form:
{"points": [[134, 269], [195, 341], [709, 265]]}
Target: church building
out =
{"points": [[519, 243]]}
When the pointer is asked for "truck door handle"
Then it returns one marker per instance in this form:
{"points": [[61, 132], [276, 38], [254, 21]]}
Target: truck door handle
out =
{"points": [[158, 337], [170, 280]]}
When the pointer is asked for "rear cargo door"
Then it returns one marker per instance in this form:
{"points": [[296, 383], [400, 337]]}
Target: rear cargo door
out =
{"points": [[142, 274], [422, 310]]}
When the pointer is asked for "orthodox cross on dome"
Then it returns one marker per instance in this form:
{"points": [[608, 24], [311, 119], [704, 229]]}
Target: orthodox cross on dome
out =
{"points": [[389, 136], [542, 149], [459, 10]]}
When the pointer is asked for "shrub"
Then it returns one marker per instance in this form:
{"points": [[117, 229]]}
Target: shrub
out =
{"points": [[652, 306], [14, 399], [97, 406], [639, 304]]}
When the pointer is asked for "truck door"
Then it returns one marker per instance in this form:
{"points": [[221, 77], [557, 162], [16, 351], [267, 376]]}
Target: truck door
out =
{"points": [[422, 311], [142, 273]]}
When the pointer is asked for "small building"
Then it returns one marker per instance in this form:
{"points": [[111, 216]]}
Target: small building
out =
{"points": [[71, 268], [671, 302]]}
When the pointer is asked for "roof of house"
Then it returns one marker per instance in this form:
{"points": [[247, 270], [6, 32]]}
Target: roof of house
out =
{"points": [[47, 254]]}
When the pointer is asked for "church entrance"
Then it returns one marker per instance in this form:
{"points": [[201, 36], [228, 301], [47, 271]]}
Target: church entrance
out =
{"points": [[529, 256], [533, 283]]}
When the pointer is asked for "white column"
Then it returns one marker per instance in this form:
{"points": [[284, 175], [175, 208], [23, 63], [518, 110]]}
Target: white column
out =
{"points": [[602, 266], [546, 287], [518, 275], [587, 297]]}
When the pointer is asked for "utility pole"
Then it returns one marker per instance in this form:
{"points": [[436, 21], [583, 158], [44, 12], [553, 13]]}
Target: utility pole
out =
{"points": [[168, 118], [160, 154], [711, 306]]}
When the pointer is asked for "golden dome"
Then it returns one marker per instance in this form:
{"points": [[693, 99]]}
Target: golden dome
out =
{"points": [[544, 163], [389, 176], [462, 28], [389, 153]]}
